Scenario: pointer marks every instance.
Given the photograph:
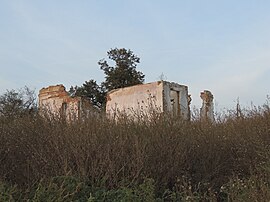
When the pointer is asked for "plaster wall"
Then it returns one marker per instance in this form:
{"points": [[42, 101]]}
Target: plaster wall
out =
{"points": [[135, 99], [160, 96]]}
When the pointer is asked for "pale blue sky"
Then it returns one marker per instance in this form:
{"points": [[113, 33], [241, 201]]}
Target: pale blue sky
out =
{"points": [[223, 46]]}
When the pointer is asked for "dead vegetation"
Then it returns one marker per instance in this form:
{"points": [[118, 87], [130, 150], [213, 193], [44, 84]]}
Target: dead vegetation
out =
{"points": [[187, 160]]}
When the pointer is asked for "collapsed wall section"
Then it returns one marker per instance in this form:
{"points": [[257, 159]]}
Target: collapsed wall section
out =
{"points": [[207, 109], [55, 100]]}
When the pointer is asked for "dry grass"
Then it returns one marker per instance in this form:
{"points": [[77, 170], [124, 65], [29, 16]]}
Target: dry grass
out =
{"points": [[180, 156]]}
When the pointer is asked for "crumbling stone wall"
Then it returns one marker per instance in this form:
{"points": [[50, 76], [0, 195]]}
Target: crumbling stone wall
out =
{"points": [[207, 109], [55, 100]]}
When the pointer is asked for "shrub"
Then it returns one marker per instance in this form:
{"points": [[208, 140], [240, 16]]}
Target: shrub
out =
{"points": [[163, 159]]}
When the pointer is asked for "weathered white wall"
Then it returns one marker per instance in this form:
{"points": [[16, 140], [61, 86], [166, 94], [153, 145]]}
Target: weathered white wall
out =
{"points": [[135, 100], [160, 96]]}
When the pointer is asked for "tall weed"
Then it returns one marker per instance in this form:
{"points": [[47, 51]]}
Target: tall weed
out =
{"points": [[183, 159]]}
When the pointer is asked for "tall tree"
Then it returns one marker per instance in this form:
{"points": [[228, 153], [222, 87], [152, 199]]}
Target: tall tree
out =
{"points": [[121, 75], [124, 72]]}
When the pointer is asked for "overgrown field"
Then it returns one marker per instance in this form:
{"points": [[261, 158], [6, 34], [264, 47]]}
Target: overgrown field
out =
{"points": [[163, 159]]}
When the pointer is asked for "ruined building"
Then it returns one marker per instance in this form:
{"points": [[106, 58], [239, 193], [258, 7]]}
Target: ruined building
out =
{"points": [[134, 101], [207, 109], [161, 96], [55, 100]]}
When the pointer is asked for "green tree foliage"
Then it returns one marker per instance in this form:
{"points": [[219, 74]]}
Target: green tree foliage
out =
{"points": [[124, 73], [121, 75], [91, 90], [16, 102]]}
